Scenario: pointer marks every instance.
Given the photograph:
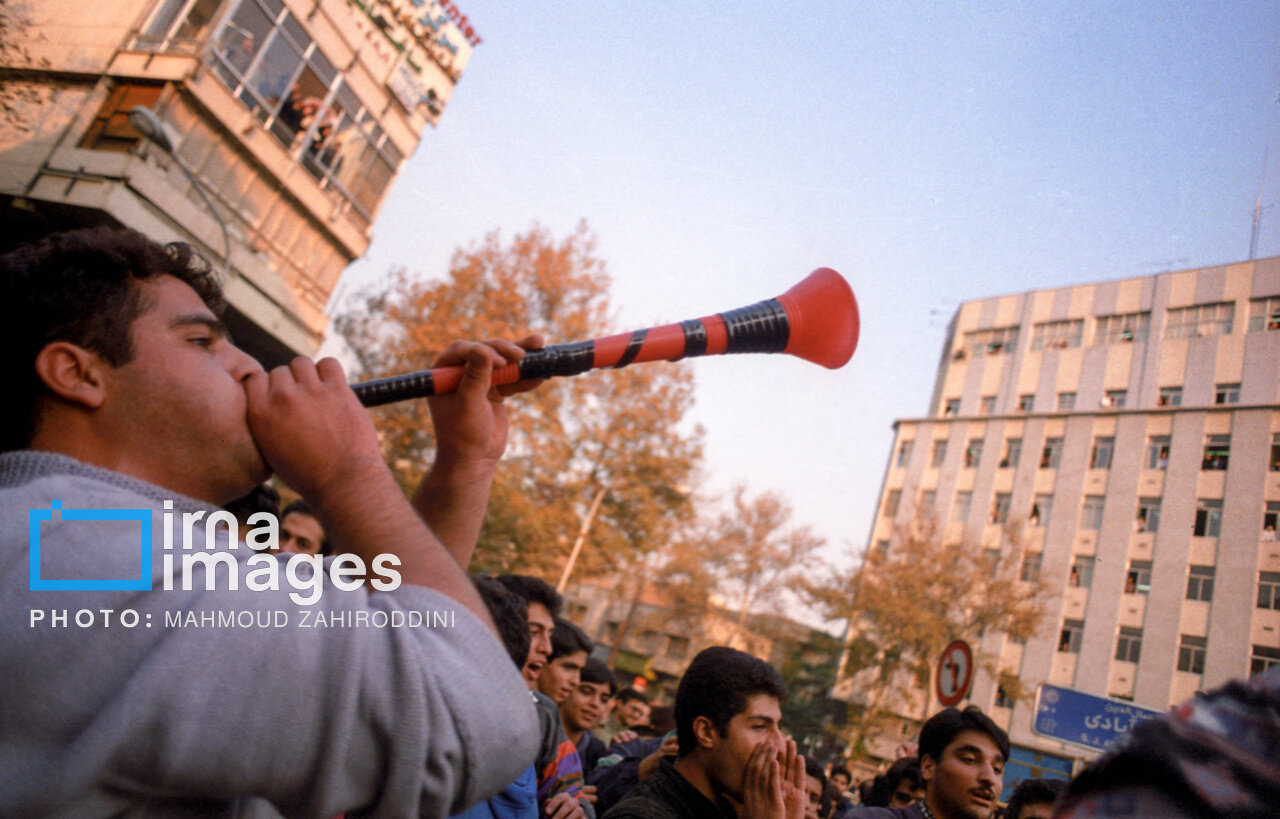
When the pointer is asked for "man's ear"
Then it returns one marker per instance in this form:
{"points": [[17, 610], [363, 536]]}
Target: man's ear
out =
{"points": [[927, 768], [72, 373], [704, 731]]}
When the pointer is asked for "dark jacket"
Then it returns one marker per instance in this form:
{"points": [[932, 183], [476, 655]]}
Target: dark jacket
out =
{"points": [[668, 795]]}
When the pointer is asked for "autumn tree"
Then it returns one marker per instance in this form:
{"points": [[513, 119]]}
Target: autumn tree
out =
{"points": [[908, 604], [746, 558], [611, 431]]}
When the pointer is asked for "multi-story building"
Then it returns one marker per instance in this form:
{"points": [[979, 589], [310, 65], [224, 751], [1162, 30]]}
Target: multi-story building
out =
{"points": [[1131, 429], [294, 115], [656, 640]]}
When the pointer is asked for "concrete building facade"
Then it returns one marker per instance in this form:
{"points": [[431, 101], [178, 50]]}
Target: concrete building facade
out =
{"points": [[1131, 429], [294, 115]]}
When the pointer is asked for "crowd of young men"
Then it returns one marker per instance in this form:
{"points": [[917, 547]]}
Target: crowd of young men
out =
{"points": [[131, 408]]}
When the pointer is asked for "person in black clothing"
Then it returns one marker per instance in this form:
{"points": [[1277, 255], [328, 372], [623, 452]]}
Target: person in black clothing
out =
{"points": [[731, 753]]}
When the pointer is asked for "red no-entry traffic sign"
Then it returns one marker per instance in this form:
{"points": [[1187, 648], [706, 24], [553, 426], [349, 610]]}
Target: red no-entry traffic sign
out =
{"points": [[954, 673]]}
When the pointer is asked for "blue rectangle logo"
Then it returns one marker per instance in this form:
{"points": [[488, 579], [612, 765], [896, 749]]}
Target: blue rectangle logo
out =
{"points": [[141, 583]]}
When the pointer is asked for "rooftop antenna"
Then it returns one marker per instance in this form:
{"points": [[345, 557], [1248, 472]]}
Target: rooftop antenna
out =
{"points": [[1257, 208]]}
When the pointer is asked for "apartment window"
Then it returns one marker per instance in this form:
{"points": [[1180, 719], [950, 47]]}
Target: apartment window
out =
{"points": [[611, 631], [1200, 583], [1148, 518], [963, 502], [1069, 638], [991, 558], [1264, 314], [1057, 335], [1051, 454], [1158, 452], [904, 452], [1129, 644], [177, 25], [677, 647], [1026, 403], [988, 404], [1170, 397], [1003, 700], [973, 453], [1263, 657], [1100, 455], [1041, 507], [1066, 401], [1269, 590], [928, 500], [951, 408], [1270, 521], [1122, 328], [1138, 580], [1191, 654], [1115, 398], [1030, 571], [1217, 451], [1226, 394], [1208, 518], [1012, 452], [1081, 571], [891, 503], [882, 549], [939, 453], [991, 342], [1200, 320], [1275, 453], [1091, 512], [269, 62], [1000, 508]]}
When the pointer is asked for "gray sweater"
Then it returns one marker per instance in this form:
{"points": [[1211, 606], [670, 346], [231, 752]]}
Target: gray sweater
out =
{"points": [[231, 702]]}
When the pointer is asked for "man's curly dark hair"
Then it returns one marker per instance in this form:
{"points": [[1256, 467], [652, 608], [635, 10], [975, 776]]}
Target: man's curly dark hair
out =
{"points": [[80, 286]]}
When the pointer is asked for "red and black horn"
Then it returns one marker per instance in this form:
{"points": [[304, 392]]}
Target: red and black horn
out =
{"points": [[816, 320]]}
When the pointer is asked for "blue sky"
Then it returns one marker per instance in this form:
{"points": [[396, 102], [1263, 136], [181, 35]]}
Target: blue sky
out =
{"points": [[932, 152]]}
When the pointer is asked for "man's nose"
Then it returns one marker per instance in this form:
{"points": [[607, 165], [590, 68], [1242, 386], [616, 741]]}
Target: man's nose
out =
{"points": [[240, 364]]}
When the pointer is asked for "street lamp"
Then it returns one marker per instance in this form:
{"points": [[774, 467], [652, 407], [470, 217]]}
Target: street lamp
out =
{"points": [[149, 125]]}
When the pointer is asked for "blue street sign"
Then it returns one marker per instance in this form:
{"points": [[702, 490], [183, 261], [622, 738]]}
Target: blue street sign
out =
{"points": [[1083, 719]]}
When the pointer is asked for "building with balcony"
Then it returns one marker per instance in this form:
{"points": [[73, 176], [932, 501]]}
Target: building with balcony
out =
{"points": [[1131, 429], [294, 115]]}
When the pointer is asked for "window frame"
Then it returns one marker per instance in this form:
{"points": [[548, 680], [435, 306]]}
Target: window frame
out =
{"points": [[1129, 645], [1191, 653], [1092, 510], [1119, 328], [1200, 581], [1200, 320]]}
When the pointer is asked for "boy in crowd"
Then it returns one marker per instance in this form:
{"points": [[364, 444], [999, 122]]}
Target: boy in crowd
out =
{"points": [[300, 531], [962, 756], [629, 711], [584, 707], [519, 800], [559, 768], [1034, 798], [569, 650], [816, 805]]}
